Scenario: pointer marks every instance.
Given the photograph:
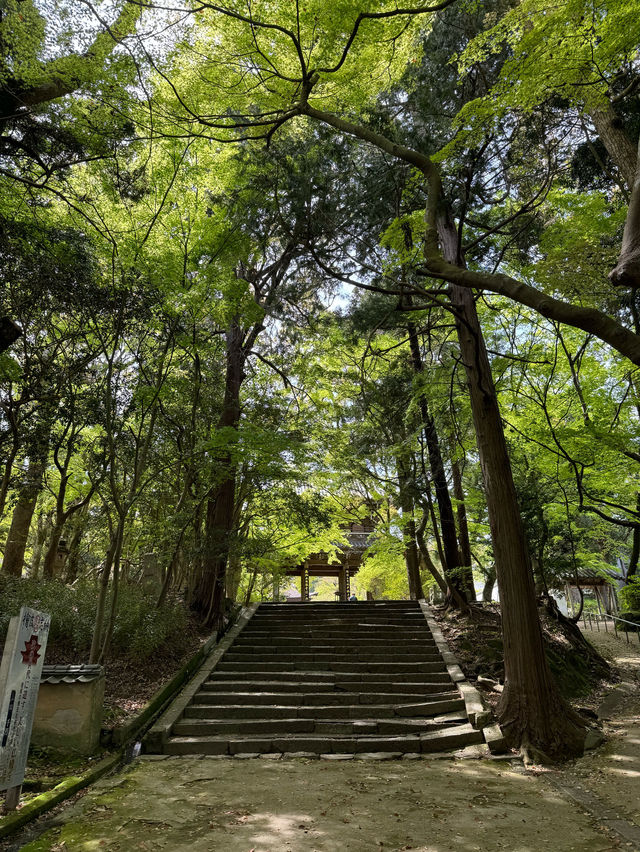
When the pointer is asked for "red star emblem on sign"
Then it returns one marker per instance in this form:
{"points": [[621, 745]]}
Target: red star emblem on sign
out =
{"points": [[30, 655]]}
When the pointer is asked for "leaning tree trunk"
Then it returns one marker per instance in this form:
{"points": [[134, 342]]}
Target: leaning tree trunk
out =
{"points": [[463, 529], [533, 714], [489, 583]]}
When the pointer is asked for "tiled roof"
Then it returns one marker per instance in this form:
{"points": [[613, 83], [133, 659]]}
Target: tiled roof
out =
{"points": [[71, 674]]}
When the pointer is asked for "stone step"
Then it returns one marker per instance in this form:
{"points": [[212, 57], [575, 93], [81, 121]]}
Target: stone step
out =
{"points": [[352, 666], [310, 698], [302, 656], [331, 677], [295, 649], [445, 702], [214, 685], [443, 739], [353, 633], [400, 622], [328, 727], [268, 640]]}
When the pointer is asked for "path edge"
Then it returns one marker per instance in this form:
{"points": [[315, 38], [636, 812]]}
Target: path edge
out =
{"points": [[477, 713]]}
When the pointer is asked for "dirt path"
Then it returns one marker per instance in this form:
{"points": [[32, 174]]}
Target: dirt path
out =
{"points": [[607, 781], [263, 805], [426, 805]]}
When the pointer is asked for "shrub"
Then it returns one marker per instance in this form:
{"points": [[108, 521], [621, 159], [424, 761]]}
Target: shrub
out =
{"points": [[140, 629], [630, 595]]}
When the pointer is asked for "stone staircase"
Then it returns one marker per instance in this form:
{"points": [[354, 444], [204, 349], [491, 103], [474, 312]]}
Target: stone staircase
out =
{"points": [[325, 679]]}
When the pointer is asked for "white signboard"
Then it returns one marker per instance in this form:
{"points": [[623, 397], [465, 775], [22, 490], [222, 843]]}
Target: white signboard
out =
{"points": [[19, 682]]}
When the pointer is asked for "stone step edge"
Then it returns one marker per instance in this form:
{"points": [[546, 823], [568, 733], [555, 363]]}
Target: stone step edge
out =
{"points": [[230, 744], [401, 710], [478, 713], [156, 737]]}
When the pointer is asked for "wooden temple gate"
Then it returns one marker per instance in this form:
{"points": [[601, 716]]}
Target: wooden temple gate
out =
{"points": [[344, 567]]}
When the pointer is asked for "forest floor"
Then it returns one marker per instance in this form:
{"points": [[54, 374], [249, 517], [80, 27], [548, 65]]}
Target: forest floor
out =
{"points": [[221, 805]]}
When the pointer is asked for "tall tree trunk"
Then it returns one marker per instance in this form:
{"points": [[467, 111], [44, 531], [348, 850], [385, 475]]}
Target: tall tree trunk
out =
{"points": [[619, 146], [532, 712], [234, 573], [428, 561], [16, 544], [51, 556], [37, 451], [208, 599], [6, 474], [103, 589], [252, 582], [632, 570]]}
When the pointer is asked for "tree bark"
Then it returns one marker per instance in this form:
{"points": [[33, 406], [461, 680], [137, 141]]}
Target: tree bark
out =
{"points": [[620, 148], [489, 583], [463, 530], [16, 544], [208, 599], [71, 573], [532, 713], [428, 561], [632, 570], [9, 332], [626, 272]]}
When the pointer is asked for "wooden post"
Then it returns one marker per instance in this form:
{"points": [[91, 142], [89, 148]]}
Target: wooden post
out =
{"points": [[12, 798], [342, 583]]}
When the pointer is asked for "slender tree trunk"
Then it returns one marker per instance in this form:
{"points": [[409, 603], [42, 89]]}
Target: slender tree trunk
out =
{"points": [[411, 557], [489, 583], [532, 713], [632, 570], [51, 557], [108, 633], [424, 551], [40, 538], [463, 530], [252, 582], [73, 560], [234, 573], [436, 463], [6, 474], [103, 589]]}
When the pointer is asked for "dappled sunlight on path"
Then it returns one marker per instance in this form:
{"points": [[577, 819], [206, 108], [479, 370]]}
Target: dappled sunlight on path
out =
{"points": [[433, 805], [612, 772]]}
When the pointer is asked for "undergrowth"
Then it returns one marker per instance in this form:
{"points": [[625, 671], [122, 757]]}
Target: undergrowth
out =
{"points": [[140, 629]]}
